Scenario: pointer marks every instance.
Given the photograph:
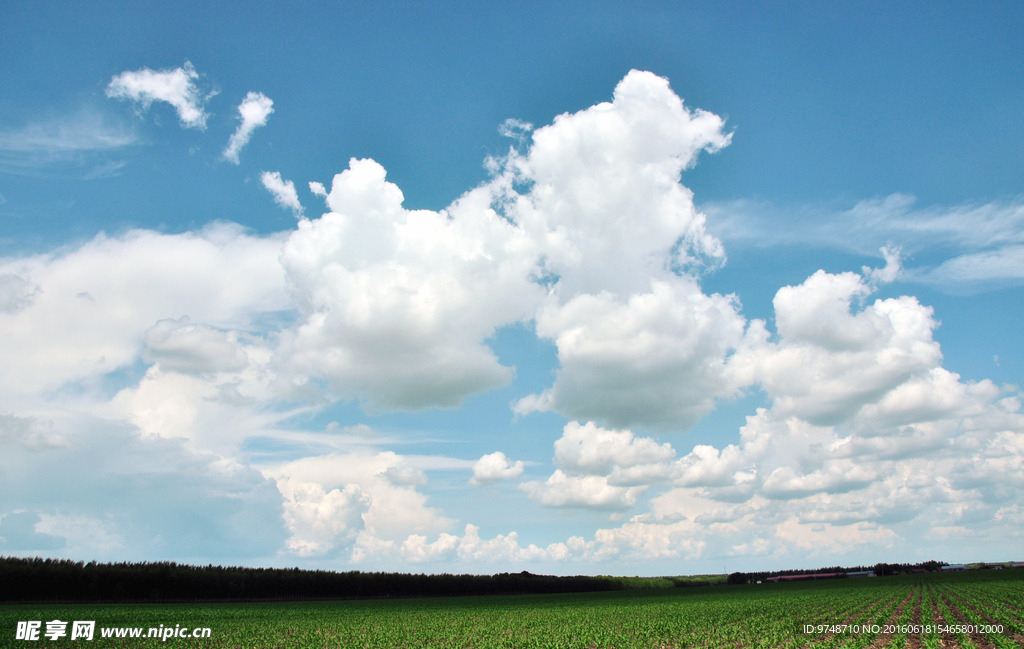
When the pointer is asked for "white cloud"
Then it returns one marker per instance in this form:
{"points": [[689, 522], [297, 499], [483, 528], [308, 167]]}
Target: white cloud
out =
{"points": [[405, 476], [707, 466], [639, 343], [830, 360], [658, 359], [824, 540], [214, 410], [253, 113], [19, 532], [934, 396], [791, 488], [589, 449], [493, 467], [322, 522], [134, 499], [990, 267], [84, 312], [395, 304], [16, 293], [516, 129], [181, 346], [869, 442], [177, 87], [82, 535], [601, 469], [888, 273], [401, 319], [503, 549], [604, 202], [390, 509], [840, 476], [650, 540], [283, 191], [587, 491], [27, 432]]}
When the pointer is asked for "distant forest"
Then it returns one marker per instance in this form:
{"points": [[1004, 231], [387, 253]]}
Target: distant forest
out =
{"points": [[63, 580], [879, 569]]}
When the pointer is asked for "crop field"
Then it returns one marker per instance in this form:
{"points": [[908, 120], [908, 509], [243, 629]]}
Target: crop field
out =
{"points": [[971, 609]]}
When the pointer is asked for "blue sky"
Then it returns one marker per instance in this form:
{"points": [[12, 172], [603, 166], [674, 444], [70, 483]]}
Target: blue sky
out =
{"points": [[596, 289]]}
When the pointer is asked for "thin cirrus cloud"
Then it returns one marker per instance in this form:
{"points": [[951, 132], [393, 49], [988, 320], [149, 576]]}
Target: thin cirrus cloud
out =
{"points": [[253, 112], [982, 241], [86, 139], [84, 132]]}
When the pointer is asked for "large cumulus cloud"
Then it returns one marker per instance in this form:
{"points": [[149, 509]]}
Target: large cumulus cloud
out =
{"points": [[396, 304], [867, 442]]}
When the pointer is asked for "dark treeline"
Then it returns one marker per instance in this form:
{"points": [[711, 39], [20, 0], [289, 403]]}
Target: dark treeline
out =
{"points": [[53, 580], [880, 569]]}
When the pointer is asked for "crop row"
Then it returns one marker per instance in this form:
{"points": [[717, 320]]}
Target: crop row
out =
{"points": [[925, 611]]}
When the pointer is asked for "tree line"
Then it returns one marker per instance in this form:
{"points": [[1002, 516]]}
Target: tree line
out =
{"points": [[63, 580], [880, 569]]}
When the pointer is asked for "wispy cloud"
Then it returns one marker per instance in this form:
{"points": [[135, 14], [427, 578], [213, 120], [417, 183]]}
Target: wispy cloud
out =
{"points": [[960, 247], [83, 138], [283, 191], [253, 113], [66, 135], [105, 170], [516, 129], [978, 270], [176, 87]]}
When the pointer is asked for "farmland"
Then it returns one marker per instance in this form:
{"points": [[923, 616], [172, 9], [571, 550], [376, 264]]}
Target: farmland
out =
{"points": [[930, 610]]}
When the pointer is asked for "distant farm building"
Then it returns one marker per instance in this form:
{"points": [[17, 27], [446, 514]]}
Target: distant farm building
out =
{"points": [[816, 575], [956, 567]]}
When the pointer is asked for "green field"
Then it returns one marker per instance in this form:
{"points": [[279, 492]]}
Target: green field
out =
{"points": [[932, 610]]}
